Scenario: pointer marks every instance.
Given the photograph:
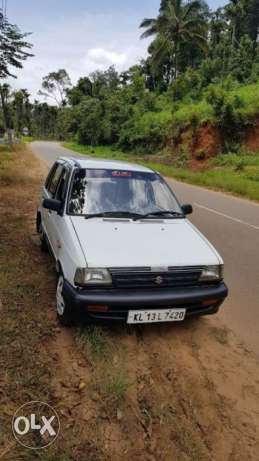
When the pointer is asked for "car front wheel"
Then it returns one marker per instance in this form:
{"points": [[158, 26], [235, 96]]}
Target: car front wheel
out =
{"points": [[64, 311], [43, 240]]}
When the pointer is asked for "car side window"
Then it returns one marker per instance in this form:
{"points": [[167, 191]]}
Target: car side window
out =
{"points": [[62, 186], [163, 196], [54, 181], [50, 175]]}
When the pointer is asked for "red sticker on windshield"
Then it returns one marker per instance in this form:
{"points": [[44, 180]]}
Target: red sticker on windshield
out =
{"points": [[122, 174]]}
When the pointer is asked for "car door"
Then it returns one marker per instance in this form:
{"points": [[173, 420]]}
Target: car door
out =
{"points": [[45, 194], [57, 220], [49, 191]]}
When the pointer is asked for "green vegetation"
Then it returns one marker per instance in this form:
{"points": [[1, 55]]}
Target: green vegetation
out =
{"points": [[14, 47], [201, 73], [202, 67], [98, 151], [28, 138], [13, 51], [95, 339], [110, 376], [115, 387], [236, 173], [23, 281]]}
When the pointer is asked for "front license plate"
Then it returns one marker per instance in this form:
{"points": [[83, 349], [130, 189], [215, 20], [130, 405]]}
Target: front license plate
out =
{"points": [[156, 316]]}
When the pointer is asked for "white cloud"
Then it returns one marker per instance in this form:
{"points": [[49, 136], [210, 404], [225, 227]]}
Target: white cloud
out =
{"points": [[81, 45], [103, 57]]}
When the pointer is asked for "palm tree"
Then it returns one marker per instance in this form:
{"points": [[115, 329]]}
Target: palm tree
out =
{"points": [[178, 23], [236, 12]]}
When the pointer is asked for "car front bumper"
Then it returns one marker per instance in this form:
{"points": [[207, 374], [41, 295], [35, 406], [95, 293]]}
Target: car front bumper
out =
{"points": [[199, 300]]}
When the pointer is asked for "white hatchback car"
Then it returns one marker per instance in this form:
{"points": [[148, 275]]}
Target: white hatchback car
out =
{"points": [[123, 247]]}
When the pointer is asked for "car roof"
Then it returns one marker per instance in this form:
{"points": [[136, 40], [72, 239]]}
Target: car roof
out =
{"points": [[91, 163]]}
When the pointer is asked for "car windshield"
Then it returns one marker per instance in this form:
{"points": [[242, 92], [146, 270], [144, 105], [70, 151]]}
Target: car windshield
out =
{"points": [[97, 191]]}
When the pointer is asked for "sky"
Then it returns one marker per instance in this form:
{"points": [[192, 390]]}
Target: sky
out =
{"points": [[80, 35]]}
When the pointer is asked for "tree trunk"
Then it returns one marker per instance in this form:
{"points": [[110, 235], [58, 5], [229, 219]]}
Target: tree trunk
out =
{"points": [[176, 63], [10, 136], [6, 117], [234, 36]]}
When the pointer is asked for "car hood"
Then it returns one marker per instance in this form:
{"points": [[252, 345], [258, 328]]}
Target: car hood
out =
{"points": [[125, 243]]}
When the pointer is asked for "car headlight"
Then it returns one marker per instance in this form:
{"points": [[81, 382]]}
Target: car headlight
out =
{"points": [[88, 276], [212, 273]]}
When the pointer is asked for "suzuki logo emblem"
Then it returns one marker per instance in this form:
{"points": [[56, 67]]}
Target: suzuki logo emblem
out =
{"points": [[159, 280]]}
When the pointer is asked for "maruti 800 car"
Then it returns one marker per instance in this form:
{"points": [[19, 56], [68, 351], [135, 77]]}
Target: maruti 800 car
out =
{"points": [[123, 247]]}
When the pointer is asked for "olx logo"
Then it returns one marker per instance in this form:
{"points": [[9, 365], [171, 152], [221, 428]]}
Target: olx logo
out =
{"points": [[36, 425]]}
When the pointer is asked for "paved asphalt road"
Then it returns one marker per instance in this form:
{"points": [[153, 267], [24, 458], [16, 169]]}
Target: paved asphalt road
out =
{"points": [[232, 225]]}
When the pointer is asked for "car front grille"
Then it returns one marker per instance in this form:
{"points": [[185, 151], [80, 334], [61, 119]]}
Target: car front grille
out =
{"points": [[147, 278]]}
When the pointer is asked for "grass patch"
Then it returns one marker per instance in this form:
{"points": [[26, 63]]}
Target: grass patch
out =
{"points": [[94, 340], [114, 386], [27, 320], [234, 160], [37, 138], [25, 368], [28, 138], [15, 164], [182, 429], [109, 374], [233, 173], [98, 151]]}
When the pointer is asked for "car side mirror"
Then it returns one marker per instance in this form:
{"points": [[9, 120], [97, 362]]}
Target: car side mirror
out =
{"points": [[187, 209], [52, 204]]}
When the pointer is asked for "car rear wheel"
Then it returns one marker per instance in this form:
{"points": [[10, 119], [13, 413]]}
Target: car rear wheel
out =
{"points": [[64, 311]]}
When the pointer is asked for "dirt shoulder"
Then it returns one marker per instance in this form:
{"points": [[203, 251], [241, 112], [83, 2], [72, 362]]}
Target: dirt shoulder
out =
{"points": [[185, 392]]}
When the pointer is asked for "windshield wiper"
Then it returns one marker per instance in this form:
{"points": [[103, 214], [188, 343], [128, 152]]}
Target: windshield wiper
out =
{"points": [[134, 216], [162, 213], [114, 214]]}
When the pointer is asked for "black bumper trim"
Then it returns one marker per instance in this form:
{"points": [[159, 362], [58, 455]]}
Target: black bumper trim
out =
{"points": [[122, 316], [120, 302]]}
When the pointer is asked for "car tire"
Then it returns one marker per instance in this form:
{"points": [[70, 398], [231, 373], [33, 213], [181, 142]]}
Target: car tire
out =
{"points": [[64, 311], [43, 240]]}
